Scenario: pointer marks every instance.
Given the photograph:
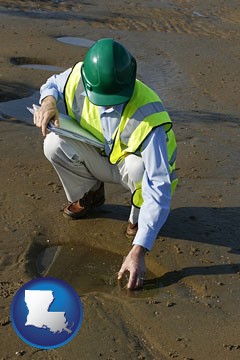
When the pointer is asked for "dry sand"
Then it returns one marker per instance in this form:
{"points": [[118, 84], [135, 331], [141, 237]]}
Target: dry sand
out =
{"points": [[189, 308]]}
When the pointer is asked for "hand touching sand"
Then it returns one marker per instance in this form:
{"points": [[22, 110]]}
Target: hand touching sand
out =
{"points": [[134, 263]]}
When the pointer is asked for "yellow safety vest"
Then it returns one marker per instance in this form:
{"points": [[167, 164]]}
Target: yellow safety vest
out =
{"points": [[141, 115]]}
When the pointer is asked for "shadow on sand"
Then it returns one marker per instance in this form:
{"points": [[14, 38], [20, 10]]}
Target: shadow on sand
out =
{"points": [[213, 226], [208, 225]]}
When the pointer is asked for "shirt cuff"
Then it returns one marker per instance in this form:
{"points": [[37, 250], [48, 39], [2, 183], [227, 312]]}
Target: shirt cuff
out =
{"points": [[49, 92], [145, 238]]}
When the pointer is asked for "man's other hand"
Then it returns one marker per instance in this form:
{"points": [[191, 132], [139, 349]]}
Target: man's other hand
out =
{"points": [[47, 112]]}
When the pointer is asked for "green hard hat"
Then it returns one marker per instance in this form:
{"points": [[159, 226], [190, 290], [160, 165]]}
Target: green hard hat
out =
{"points": [[108, 73]]}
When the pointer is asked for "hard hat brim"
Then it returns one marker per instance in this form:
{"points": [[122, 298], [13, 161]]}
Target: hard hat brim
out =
{"points": [[110, 99]]}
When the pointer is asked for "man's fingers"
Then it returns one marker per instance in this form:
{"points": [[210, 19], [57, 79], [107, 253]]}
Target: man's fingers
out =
{"points": [[132, 280], [134, 264], [120, 278], [37, 118], [34, 118], [122, 269], [135, 280], [44, 128], [44, 124], [56, 120], [120, 273], [46, 113], [139, 281]]}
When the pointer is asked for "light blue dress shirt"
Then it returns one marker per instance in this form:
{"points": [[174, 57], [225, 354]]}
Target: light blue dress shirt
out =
{"points": [[156, 184]]}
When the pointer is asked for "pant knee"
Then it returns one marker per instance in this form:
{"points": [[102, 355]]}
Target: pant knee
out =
{"points": [[135, 168], [51, 145]]}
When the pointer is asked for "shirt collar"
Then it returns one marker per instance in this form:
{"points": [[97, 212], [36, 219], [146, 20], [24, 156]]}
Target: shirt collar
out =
{"points": [[117, 108]]}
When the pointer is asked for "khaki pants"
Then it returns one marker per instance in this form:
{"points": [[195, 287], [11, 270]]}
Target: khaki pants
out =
{"points": [[81, 168]]}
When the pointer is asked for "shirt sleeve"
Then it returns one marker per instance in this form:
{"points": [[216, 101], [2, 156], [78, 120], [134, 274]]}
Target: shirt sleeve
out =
{"points": [[156, 189], [54, 86]]}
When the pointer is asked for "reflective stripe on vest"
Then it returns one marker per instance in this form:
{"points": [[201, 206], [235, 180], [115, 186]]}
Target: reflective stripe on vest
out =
{"points": [[79, 107], [140, 114]]}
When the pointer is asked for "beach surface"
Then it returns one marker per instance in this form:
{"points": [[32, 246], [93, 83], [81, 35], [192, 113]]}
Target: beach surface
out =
{"points": [[188, 51]]}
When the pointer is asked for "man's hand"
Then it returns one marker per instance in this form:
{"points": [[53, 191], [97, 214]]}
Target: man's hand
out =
{"points": [[48, 111], [134, 263]]}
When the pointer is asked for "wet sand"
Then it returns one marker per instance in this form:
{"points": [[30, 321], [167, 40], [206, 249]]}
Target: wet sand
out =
{"points": [[189, 307]]}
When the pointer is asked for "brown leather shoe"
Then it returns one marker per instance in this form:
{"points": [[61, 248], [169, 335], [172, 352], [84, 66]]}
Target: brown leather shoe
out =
{"points": [[80, 208], [131, 230]]}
